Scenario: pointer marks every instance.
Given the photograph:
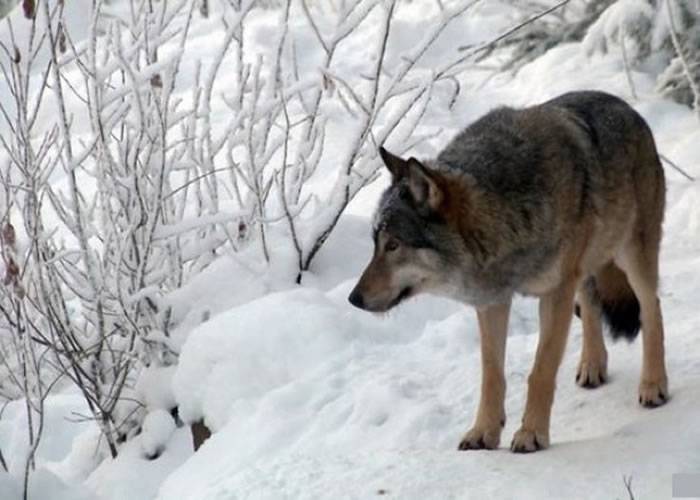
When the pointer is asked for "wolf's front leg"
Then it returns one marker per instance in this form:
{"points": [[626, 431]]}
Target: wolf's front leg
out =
{"points": [[490, 418], [556, 310]]}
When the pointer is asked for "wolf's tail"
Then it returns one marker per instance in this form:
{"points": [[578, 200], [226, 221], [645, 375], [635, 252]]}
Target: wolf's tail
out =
{"points": [[611, 291]]}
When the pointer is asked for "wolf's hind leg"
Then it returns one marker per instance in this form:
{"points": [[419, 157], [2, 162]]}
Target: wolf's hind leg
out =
{"points": [[593, 366], [490, 417], [556, 311], [640, 263]]}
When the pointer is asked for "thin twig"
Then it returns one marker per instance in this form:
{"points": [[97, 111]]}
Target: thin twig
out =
{"points": [[677, 168], [628, 485], [626, 64], [512, 30]]}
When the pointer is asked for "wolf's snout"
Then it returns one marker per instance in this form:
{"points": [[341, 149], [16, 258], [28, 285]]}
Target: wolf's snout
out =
{"points": [[356, 299]]}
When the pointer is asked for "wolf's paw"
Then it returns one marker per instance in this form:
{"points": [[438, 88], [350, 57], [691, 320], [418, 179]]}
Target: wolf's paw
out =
{"points": [[653, 393], [592, 373], [527, 441], [480, 438]]}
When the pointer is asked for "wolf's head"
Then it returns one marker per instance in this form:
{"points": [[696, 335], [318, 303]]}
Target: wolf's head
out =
{"points": [[416, 248]]}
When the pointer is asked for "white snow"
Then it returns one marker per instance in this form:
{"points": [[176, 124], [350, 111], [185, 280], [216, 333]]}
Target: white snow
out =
{"points": [[64, 428], [158, 427], [154, 387], [132, 475], [310, 398]]}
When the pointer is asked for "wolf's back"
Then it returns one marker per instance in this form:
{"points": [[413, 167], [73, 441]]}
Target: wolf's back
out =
{"points": [[612, 125]]}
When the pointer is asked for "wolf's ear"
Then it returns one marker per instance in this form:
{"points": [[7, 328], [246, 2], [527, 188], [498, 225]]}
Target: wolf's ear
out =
{"points": [[396, 165], [423, 185]]}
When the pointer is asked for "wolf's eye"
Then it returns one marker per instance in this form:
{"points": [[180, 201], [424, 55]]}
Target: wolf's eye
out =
{"points": [[391, 245]]}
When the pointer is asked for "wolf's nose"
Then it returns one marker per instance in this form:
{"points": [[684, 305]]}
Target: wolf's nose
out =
{"points": [[356, 299]]}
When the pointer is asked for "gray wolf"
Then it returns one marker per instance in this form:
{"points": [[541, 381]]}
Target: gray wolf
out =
{"points": [[564, 201]]}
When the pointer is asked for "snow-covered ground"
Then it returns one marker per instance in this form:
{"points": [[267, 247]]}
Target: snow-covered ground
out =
{"points": [[310, 398]]}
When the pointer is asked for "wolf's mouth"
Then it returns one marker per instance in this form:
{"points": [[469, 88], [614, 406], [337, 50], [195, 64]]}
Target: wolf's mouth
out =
{"points": [[405, 293]]}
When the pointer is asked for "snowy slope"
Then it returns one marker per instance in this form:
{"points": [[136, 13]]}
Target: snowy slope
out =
{"points": [[385, 409]]}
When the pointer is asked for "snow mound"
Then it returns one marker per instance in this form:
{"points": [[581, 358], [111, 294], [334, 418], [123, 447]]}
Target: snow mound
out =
{"points": [[133, 476], [240, 355], [154, 387], [158, 427], [43, 484]]}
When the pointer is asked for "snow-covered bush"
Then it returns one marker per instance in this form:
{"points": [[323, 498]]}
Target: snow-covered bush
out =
{"points": [[681, 29], [544, 24], [664, 32], [627, 24], [659, 36]]}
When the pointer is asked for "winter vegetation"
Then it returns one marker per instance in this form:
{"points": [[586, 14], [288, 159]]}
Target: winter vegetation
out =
{"points": [[186, 190]]}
